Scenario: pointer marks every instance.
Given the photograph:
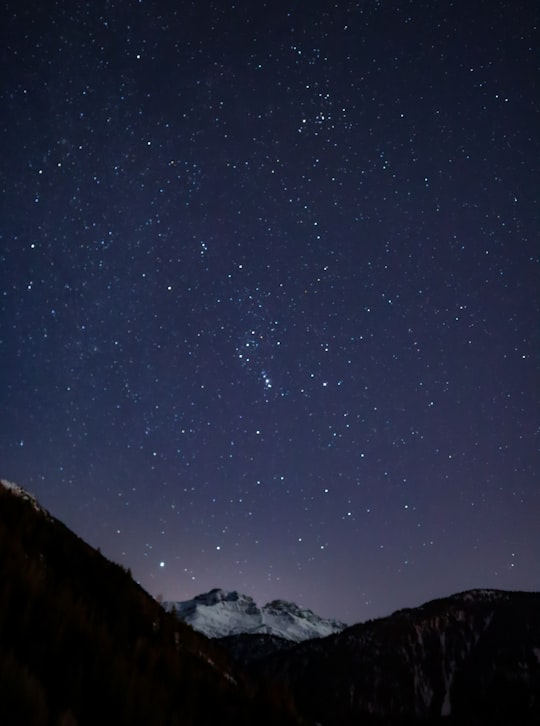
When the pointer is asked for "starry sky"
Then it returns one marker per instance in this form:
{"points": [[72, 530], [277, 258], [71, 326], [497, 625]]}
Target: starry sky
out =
{"points": [[269, 292]]}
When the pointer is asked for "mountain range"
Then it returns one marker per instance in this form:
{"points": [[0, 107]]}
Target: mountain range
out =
{"points": [[472, 658], [219, 613], [82, 643]]}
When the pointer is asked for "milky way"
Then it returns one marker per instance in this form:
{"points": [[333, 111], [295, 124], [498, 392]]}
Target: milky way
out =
{"points": [[269, 280]]}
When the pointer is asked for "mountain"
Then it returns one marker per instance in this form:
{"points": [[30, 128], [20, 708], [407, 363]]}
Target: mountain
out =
{"points": [[81, 643], [472, 659], [219, 613], [23, 494]]}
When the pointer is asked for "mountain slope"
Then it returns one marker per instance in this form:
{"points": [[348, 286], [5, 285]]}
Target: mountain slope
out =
{"points": [[81, 643], [473, 658], [219, 613]]}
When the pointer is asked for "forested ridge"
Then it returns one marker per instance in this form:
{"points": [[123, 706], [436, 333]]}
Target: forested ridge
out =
{"points": [[81, 643]]}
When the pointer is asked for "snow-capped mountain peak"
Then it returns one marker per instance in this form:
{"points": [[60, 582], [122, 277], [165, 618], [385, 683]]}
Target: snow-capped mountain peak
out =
{"points": [[219, 613]]}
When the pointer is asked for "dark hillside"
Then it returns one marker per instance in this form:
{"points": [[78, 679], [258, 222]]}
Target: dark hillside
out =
{"points": [[473, 658], [81, 643]]}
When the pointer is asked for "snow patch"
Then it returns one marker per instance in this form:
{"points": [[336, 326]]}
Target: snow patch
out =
{"points": [[23, 494]]}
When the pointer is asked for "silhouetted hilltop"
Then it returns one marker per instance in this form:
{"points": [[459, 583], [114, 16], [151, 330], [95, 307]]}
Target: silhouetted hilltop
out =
{"points": [[82, 644], [472, 658]]}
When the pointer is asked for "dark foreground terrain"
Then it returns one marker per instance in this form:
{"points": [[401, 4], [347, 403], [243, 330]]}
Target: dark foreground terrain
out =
{"points": [[82, 644]]}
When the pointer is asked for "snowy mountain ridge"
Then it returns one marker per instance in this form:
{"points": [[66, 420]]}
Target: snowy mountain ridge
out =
{"points": [[219, 613], [23, 494]]}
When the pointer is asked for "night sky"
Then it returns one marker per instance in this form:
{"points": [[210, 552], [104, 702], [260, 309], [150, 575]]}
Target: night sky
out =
{"points": [[270, 292]]}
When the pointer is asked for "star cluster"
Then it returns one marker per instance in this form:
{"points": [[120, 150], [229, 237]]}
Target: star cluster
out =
{"points": [[269, 302]]}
